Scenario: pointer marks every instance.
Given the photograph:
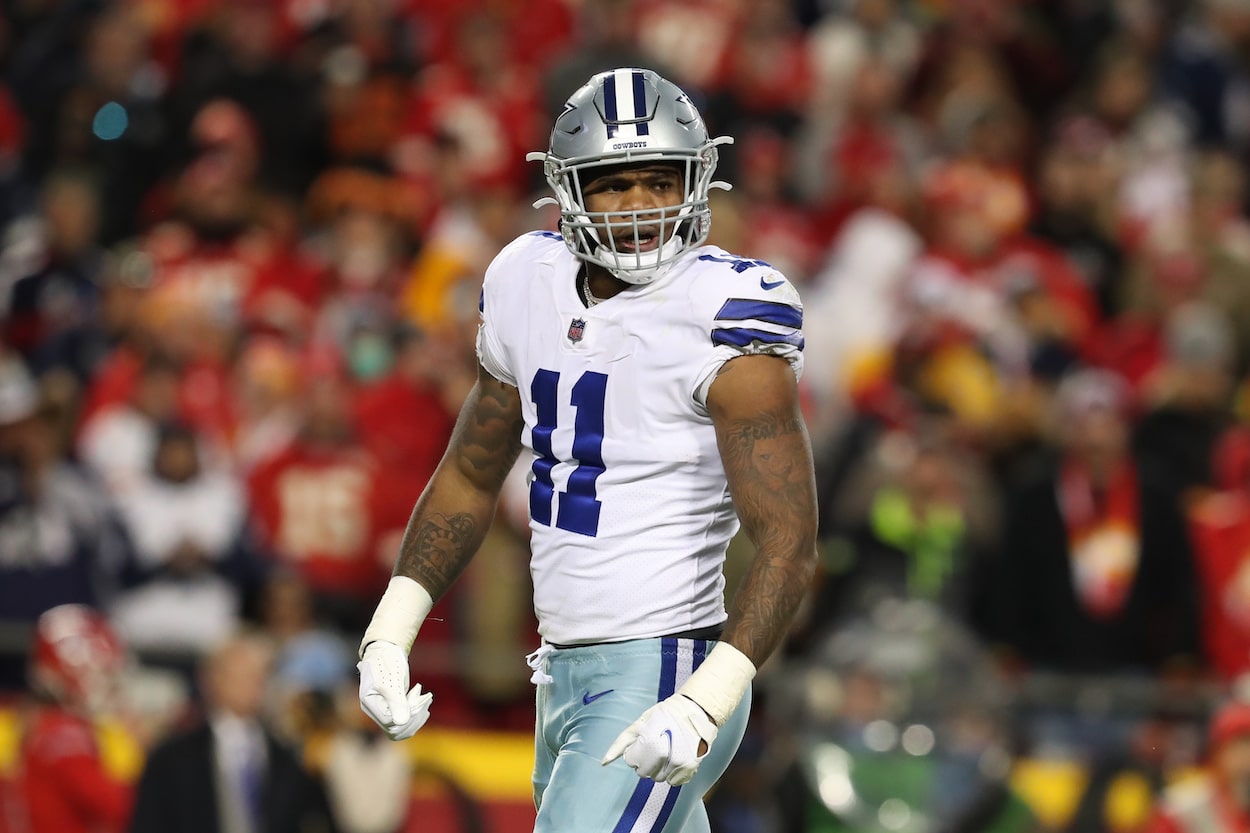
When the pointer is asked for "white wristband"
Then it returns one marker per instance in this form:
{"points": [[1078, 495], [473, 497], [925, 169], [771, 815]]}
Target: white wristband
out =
{"points": [[399, 614], [719, 683]]}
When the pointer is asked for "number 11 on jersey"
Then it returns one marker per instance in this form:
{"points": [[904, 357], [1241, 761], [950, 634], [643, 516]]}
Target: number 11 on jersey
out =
{"points": [[579, 509]]}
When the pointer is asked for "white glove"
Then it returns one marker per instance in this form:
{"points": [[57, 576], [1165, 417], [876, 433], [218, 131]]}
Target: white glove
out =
{"points": [[663, 744], [383, 683]]}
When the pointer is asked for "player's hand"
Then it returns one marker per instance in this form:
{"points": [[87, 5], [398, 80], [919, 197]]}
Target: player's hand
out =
{"points": [[384, 694], [668, 742]]}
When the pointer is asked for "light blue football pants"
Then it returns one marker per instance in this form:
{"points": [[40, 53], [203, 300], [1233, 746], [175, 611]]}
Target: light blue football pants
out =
{"points": [[595, 693]]}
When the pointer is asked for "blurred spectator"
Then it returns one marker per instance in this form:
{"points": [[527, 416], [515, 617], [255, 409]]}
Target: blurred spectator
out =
{"points": [[406, 418], [1206, 258], [230, 773], [266, 389], [224, 258], [100, 109], [238, 54], [325, 507], [309, 657], [76, 669], [366, 253], [62, 293], [77, 355], [1186, 397], [767, 72], [693, 39], [186, 523], [1219, 800], [445, 280], [983, 46], [863, 152], [1075, 191], [916, 520], [367, 779], [60, 541], [854, 301], [1152, 140], [1203, 71], [1219, 523], [842, 44], [984, 282], [480, 101], [118, 444], [366, 54], [1094, 571]]}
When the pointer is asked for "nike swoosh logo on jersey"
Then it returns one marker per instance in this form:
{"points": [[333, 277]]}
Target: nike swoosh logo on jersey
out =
{"points": [[589, 698], [765, 285]]}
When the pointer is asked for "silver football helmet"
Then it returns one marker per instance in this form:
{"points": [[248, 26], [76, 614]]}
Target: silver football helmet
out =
{"points": [[630, 116]]}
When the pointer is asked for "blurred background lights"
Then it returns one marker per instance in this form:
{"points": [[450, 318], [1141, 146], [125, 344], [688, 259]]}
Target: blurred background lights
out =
{"points": [[894, 814], [110, 121], [832, 767], [918, 740], [880, 736]]}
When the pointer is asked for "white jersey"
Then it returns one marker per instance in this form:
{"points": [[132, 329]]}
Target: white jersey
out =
{"points": [[629, 507]]}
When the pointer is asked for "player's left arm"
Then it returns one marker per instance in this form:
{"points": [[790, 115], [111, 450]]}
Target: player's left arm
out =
{"points": [[754, 404]]}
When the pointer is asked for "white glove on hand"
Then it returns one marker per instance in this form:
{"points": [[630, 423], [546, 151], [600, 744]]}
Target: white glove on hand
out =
{"points": [[383, 683], [663, 744]]}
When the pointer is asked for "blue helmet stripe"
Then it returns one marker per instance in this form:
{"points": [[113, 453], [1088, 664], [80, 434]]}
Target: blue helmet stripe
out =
{"points": [[609, 98], [640, 102]]}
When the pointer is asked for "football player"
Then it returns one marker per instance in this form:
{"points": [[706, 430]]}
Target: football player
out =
{"points": [[76, 668], [651, 382]]}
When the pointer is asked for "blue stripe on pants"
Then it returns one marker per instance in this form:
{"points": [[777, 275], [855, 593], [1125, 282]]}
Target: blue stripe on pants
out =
{"points": [[637, 801]]}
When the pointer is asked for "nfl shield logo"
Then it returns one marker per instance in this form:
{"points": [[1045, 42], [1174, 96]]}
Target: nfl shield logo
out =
{"points": [[577, 329]]}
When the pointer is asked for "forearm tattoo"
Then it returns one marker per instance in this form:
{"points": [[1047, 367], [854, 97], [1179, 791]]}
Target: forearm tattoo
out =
{"points": [[769, 465], [452, 516], [436, 548]]}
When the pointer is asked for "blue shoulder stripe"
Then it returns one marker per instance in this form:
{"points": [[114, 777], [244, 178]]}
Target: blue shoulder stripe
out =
{"points": [[744, 336], [773, 312]]}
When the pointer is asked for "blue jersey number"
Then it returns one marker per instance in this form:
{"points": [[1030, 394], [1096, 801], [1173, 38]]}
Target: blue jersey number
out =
{"points": [[579, 510]]}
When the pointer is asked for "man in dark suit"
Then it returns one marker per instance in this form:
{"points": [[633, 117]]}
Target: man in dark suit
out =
{"points": [[230, 775]]}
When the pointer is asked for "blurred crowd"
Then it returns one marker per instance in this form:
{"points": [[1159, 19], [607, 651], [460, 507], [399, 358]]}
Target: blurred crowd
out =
{"points": [[242, 241]]}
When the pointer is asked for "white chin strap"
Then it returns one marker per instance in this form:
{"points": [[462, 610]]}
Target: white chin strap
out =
{"points": [[640, 267]]}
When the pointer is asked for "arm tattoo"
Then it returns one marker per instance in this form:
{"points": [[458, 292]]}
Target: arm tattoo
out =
{"points": [[768, 462], [437, 549], [453, 514], [487, 438]]}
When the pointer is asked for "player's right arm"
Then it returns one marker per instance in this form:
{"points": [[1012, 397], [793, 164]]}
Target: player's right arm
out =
{"points": [[445, 529]]}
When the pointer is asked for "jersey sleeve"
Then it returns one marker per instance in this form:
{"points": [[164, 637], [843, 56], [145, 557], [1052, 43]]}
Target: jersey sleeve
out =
{"points": [[760, 314], [492, 308]]}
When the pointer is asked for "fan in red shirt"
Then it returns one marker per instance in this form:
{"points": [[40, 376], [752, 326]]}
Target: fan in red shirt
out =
{"points": [[324, 506], [76, 666], [482, 104], [406, 418], [1219, 525]]}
